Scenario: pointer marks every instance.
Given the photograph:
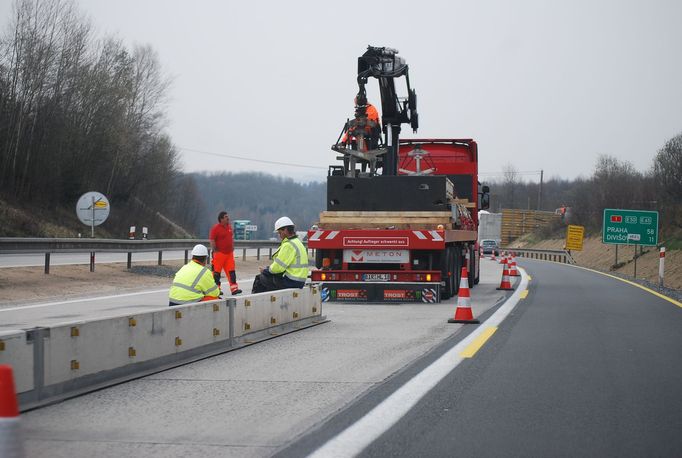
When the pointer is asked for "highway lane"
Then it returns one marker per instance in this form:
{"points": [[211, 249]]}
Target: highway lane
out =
{"points": [[253, 401], [586, 365], [87, 308], [57, 259]]}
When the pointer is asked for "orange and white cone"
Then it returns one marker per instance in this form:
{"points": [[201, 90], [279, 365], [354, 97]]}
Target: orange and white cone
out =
{"points": [[513, 272], [492, 256], [11, 443], [463, 313], [505, 284], [503, 258]]}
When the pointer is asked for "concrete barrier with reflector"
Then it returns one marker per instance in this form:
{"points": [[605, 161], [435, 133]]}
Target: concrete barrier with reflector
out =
{"points": [[71, 358]]}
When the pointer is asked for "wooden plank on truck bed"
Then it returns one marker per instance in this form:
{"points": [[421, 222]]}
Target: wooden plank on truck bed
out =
{"points": [[337, 226], [464, 202], [427, 214], [461, 236], [384, 220]]}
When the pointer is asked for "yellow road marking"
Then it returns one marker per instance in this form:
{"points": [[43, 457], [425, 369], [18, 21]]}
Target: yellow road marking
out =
{"points": [[524, 294], [478, 342], [669, 299]]}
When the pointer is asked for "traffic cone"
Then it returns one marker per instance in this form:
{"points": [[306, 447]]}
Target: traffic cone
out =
{"points": [[513, 272], [11, 443], [492, 256], [463, 313], [503, 258], [505, 284]]}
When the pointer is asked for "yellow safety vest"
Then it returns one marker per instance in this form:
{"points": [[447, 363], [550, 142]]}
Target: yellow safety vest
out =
{"points": [[291, 258], [192, 282]]}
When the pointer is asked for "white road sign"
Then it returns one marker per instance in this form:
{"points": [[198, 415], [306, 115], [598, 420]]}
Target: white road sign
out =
{"points": [[92, 208]]}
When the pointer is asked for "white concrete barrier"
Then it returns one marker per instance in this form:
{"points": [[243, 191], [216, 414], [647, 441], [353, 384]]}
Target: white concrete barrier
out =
{"points": [[70, 358], [16, 351], [258, 312]]}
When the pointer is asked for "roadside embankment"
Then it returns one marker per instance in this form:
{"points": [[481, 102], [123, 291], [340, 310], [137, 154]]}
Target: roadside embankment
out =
{"points": [[599, 256]]}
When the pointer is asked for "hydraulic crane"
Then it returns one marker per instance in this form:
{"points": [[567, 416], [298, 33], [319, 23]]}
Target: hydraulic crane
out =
{"points": [[367, 147]]}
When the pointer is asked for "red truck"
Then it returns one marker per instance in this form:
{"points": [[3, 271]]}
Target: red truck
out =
{"points": [[402, 235]]}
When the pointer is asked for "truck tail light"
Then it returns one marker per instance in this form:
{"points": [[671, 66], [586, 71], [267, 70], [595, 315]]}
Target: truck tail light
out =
{"points": [[323, 276], [428, 277]]}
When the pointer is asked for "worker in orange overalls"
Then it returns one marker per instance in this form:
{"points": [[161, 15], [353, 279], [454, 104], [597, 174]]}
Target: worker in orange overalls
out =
{"points": [[222, 244], [371, 129]]}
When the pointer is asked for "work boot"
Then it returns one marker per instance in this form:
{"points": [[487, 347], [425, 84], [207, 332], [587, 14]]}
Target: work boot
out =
{"points": [[236, 291]]}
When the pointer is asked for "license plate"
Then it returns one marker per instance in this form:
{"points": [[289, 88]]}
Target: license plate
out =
{"points": [[376, 277]]}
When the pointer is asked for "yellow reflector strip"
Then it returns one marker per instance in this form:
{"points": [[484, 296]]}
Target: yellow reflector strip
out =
{"points": [[476, 345], [524, 294]]}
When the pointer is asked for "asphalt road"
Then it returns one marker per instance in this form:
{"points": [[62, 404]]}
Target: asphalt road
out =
{"points": [[253, 401], [88, 308], [585, 365]]}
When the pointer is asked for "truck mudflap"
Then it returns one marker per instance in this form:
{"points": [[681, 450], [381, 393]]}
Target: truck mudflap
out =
{"points": [[380, 292]]}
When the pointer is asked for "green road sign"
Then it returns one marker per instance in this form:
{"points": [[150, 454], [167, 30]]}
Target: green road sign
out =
{"points": [[630, 227]]}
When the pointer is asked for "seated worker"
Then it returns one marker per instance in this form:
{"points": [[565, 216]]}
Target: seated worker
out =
{"points": [[289, 268], [194, 282]]}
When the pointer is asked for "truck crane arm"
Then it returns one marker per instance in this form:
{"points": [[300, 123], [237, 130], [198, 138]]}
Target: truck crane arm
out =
{"points": [[368, 148], [385, 65]]}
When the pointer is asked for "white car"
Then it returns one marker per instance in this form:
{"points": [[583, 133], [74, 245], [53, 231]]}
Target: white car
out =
{"points": [[490, 246]]}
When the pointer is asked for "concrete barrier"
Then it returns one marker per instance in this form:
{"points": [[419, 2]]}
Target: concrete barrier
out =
{"points": [[14, 347], [71, 358]]}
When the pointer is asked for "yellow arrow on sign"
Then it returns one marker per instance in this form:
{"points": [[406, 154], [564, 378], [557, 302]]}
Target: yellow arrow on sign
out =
{"points": [[101, 204]]}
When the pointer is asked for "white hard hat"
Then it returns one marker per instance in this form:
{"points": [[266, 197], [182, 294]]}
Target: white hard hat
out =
{"points": [[199, 250], [284, 221]]}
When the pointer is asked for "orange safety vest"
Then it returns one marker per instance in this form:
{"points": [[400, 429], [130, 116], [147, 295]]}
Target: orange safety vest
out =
{"points": [[372, 115]]}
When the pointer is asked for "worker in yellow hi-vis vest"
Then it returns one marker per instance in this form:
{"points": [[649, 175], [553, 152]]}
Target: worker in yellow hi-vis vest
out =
{"points": [[289, 268], [194, 282]]}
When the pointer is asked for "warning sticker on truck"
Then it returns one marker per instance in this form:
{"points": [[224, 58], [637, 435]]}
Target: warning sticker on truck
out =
{"points": [[375, 241]]}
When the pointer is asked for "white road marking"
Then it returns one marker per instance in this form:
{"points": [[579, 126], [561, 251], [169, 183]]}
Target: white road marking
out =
{"points": [[354, 439], [96, 298]]}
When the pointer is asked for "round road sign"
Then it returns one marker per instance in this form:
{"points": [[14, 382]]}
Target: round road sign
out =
{"points": [[92, 208]]}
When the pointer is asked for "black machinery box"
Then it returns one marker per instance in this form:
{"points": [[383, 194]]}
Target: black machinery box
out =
{"points": [[389, 193]]}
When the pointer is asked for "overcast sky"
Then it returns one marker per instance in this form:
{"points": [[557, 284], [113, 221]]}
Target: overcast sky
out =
{"points": [[538, 84]]}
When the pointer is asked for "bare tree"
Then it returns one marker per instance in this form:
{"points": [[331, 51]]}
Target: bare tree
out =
{"points": [[510, 184], [667, 173]]}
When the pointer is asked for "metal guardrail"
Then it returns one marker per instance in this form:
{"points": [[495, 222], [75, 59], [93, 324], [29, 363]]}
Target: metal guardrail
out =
{"points": [[543, 255], [25, 245]]}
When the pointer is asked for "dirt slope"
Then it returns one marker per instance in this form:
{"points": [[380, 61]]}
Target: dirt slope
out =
{"points": [[600, 256], [20, 285]]}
